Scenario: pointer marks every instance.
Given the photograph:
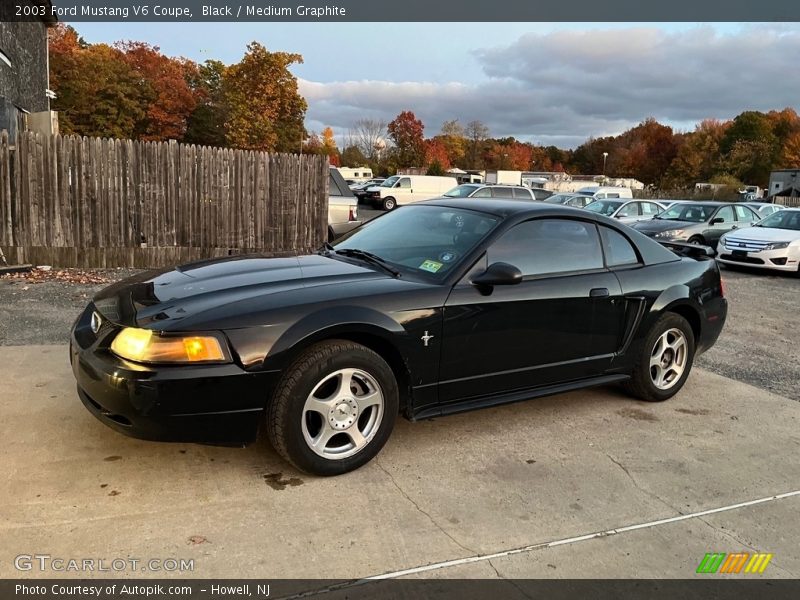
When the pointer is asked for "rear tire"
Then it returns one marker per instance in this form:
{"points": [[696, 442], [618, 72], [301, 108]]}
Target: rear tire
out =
{"points": [[333, 409], [665, 360], [389, 203]]}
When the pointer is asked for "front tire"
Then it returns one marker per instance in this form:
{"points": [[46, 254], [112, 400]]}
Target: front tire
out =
{"points": [[333, 409], [665, 360], [389, 203], [697, 239]]}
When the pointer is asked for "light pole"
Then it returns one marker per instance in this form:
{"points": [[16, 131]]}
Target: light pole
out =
{"points": [[605, 156]]}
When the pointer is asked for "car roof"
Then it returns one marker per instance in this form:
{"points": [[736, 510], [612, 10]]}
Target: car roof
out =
{"points": [[709, 203], [505, 207]]}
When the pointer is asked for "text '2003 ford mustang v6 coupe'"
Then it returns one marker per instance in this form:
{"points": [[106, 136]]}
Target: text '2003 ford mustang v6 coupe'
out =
{"points": [[436, 308]]}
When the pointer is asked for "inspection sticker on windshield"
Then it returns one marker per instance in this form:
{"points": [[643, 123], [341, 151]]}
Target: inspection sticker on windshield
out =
{"points": [[431, 266]]}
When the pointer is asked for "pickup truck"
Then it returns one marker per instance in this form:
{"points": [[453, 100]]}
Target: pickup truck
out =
{"points": [[342, 206]]}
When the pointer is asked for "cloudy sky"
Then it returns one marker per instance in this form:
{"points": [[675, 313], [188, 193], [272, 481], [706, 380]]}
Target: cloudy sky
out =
{"points": [[546, 83]]}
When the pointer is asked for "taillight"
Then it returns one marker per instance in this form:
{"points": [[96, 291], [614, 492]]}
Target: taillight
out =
{"points": [[353, 213]]}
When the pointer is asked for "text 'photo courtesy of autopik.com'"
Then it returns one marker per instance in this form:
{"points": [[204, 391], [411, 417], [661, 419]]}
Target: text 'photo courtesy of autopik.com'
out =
{"points": [[364, 299]]}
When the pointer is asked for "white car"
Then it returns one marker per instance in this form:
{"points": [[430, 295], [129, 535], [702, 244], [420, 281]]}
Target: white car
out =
{"points": [[627, 211], [764, 209], [773, 243]]}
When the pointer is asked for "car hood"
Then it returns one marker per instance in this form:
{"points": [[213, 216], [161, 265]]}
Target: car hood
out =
{"points": [[656, 225], [765, 234], [160, 299]]}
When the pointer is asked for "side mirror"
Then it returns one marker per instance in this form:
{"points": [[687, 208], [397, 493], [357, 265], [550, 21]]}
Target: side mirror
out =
{"points": [[716, 220], [499, 273]]}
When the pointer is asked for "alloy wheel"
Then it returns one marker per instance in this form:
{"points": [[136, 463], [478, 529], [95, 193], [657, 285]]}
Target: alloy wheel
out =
{"points": [[668, 359], [342, 413]]}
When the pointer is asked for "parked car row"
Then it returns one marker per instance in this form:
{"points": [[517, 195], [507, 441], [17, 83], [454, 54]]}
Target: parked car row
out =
{"points": [[768, 236]]}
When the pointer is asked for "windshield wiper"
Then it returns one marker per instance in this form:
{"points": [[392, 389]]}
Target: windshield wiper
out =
{"points": [[370, 258]]}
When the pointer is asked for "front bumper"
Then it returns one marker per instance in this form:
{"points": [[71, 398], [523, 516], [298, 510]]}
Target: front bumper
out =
{"points": [[775, 260], [216, 404]]}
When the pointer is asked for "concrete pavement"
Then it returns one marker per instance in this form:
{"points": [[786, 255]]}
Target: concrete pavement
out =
{"points": [[471, 485]]}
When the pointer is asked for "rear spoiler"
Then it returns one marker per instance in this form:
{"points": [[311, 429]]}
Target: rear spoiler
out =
{"points": [[691, 250]]}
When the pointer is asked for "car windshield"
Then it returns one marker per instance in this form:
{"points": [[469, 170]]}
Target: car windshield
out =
{"points": [[783, 219], [390, 181], [604, 207], [421, 240], [693, 213], [461, 191]]}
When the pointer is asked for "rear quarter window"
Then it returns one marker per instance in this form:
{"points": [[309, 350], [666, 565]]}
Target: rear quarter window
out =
{"points": [[618, 250]]}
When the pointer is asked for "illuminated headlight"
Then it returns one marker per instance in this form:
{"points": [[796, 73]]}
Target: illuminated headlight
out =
{"points": [[669, 234], [776, 246], [147, 346]]}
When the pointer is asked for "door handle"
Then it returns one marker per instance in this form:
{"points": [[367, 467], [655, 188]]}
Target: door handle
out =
{"points": [[598, 293]]}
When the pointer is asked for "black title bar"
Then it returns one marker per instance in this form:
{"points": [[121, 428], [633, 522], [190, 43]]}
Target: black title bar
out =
{"points": [[186, 11]]}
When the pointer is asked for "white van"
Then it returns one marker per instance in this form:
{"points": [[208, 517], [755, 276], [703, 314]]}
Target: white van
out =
{"points": [[598, 193], [405, 189], [356, 173]]}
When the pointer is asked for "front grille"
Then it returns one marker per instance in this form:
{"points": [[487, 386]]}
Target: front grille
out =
{"points": [[742, 259], [738, 243]]}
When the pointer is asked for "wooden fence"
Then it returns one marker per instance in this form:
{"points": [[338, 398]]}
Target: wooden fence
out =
{"points": [[89, 202]]}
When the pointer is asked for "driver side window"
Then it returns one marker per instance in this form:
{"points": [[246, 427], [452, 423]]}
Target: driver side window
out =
{"points": [[547, 246]]}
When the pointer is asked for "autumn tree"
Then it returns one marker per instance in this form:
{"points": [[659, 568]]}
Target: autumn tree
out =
{"points": [[97, 92], [312, 145], [265, 109], [697, 157], [166, 79], [790, 155], [436, 152], [406, 131], [329, 146], [453, 139], [508, 154]]}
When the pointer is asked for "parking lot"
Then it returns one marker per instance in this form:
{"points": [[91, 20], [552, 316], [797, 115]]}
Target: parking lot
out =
{"points": [[586, 484]]}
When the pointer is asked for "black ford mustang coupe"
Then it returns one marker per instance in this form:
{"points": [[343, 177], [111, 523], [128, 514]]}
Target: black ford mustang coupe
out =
{"points": [[435, 308]]}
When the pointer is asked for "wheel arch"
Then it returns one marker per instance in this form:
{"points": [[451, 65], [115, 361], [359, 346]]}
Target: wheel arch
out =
{"points": [[678, 299], [383, 336]]}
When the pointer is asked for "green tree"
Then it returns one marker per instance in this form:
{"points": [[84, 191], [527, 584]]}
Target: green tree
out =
{"points": [[435, 168], [353, 157], [749, 126], [206, 124], [265, 109]]}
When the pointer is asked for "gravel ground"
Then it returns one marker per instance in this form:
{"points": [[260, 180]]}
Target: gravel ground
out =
{"points": [[759, 342], [42, 312], [758, 345]]}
